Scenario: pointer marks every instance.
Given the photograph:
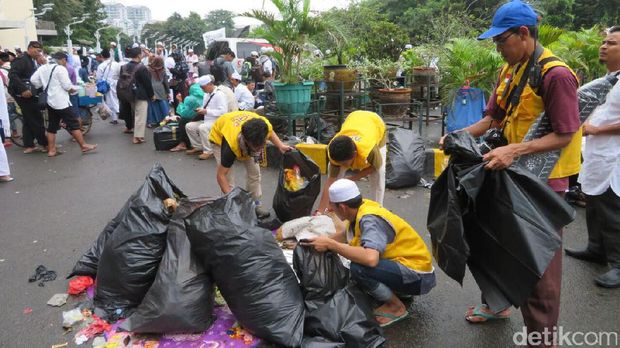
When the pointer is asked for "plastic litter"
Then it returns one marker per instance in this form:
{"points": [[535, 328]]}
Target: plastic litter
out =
{"points": [[58, 300], [293, 181], [42, 274], [99, 342], [69, 318], [306, 227], [249, 268], [79, 284], [131, 255], [289, 204], [181, 298], [95, 328]]}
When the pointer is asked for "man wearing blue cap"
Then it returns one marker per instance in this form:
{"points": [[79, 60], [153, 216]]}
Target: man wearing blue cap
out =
{"points": [[533, 80]]}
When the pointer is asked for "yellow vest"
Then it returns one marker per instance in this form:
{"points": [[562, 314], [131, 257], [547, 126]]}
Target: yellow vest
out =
{"points": [[407, 248], [367, 130], [228, 126], [527, 111]]}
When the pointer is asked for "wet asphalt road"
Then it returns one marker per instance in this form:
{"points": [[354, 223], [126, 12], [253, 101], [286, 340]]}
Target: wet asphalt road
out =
{"points": [[56, 207]]}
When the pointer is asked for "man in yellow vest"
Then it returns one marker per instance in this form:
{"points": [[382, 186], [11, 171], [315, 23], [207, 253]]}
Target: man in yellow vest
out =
{"points": [[360, 146], [241, 136], [551, 86], [387, 255]]}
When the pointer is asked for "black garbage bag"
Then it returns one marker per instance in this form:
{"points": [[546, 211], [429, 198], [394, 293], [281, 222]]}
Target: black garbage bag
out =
{"points": [[292, 205], [88, 263], [320, 342], [320, 129], [502, 223], [132, 253], [345, 318], [405, 159], [320, 275], [249, 268], [182, 296]]}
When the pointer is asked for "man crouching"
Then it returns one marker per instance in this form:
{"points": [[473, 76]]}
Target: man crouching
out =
{"points": [[387, 255]]}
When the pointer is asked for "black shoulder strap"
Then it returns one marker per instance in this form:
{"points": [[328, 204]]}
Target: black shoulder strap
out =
{"points": [[537, 74], [50, 78], [515, 96], [209, 100]]}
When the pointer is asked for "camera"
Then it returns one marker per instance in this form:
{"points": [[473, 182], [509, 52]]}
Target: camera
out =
{"points": [[492, 139]]}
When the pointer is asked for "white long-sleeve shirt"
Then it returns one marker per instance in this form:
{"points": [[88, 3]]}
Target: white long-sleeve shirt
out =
{"points": [[244, 97], [59, 85], [217, 106], [601, 156], [231, 100], [110, 71]]}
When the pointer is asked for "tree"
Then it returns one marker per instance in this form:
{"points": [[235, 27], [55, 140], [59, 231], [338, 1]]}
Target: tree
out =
{"points": [[190, 28], [218, 19], [64, 10]]}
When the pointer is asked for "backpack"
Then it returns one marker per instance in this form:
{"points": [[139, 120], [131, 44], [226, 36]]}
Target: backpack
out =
{"points": [[257, 71], [182, 69], [275, 69], [218, 71], [246, 70], [126, 85]]}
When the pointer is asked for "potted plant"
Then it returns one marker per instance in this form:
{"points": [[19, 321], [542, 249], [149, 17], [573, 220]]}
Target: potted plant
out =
{"points": [[289, 33], [417, 62], [380, 76]]}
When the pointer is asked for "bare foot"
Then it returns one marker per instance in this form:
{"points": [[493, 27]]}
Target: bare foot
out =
{"points": [[388, 308], [88, 148]]}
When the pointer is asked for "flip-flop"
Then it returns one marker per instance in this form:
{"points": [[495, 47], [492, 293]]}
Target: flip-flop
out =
{"points": [[58, 153], [90, 149], [9, 179], [477, 312], [393, 318], [177, 150]]}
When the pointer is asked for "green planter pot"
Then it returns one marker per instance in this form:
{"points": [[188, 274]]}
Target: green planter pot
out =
{"points": [[293, 99]]}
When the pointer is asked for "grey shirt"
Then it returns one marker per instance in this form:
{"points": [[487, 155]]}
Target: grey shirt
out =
{"points": [[228, 70]]}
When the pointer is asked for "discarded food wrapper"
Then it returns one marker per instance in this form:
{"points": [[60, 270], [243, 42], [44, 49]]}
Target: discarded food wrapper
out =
{"points": [[69, 318], [58, 300], [293, 181]]}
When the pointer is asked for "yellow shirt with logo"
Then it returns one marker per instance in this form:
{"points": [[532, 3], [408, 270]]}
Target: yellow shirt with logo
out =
{"points": [[228, 126], [367, 130], [407, 248], [518, 122]]}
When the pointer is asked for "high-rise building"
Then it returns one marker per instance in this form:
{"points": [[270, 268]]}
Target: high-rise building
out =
{"points": [[130, 19]]}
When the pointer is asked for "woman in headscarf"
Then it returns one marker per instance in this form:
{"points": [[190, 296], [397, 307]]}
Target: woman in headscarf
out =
{"points": [[158, 108]]}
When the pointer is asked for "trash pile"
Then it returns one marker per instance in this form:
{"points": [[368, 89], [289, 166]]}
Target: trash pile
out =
{"points": [[405, 159], [159, 267]]}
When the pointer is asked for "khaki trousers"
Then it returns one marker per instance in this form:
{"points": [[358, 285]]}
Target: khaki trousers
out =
{"points": [[252, 173], [140, 109]]}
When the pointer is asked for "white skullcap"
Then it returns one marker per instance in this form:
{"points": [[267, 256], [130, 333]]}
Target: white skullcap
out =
{"points": [[135, 45], [142, 46], [408, 46], [343, 190], [253, 54], [205, 80], [112, 43], [91, 50], [236, 76], [264, 50], [159, 43], [190, 50]]}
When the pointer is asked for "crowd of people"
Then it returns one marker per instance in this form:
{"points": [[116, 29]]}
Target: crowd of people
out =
{"points": [[216, 110]]}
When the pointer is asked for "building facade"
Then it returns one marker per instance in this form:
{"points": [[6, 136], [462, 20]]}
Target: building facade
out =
{"points": [[17, 24], [130, 19]]}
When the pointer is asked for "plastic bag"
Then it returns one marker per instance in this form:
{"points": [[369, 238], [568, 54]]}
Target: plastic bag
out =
{"points": [[182, 296], [590, 96], [405, 159], [320, 275], [293, 181], [132, 253], [249, 268], [345, 318], [503, 223], [328, 131], [79, 284], [290, 205]]}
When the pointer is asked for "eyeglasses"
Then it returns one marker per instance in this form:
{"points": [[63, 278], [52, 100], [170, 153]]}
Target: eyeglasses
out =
{"points": [[502, 41]]}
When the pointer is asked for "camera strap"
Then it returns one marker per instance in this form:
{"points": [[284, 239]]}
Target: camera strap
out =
{"points": [[515, 95]]}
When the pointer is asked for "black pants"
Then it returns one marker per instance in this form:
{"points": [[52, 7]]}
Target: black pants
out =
{"points": [[33, 127], [125, 113], [603, 221], [66, 115]]}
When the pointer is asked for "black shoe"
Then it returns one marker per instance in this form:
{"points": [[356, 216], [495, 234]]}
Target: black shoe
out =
{"points": [[262, 212], [113, 122], [610, 279], [586, 255]]}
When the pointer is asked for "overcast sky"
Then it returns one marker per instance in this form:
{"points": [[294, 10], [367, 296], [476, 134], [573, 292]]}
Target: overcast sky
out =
{"points": [[162, 9]]}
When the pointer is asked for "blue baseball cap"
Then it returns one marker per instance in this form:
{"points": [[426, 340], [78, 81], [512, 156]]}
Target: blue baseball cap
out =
{"points": [[510, 15]]}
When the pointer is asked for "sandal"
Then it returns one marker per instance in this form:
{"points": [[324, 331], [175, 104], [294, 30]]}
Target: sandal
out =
{"points": [[6, 178], [483, 317], [89, 149], [393, 318], [57, 153]]}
